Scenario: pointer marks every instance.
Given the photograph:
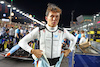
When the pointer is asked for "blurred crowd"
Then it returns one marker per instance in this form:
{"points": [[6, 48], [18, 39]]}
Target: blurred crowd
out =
{"points": [[10, 36]]}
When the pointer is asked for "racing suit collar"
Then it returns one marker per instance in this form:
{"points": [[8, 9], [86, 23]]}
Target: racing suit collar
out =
{"points": [[52, 29]]}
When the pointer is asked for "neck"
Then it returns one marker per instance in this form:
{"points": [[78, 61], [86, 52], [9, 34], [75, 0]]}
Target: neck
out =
{"points": [[52, 28]]}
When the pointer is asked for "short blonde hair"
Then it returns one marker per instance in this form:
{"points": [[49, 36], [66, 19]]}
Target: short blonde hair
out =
{"points": [[54, 8], [83, 35]]}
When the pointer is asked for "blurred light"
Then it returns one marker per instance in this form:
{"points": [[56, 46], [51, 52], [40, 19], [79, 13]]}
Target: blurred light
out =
{"points": [[24, 22], [15, 17], [11, 0], [33, 15], [20, 12], [9, 17], [2, 2], [12, 14], [17, 10], [91, 23], [8, 5], [30, 15], [7, 20], [23, 13], [94, 16], [27, 15], [4, 15], [43, 22], [14, 8], [98, 22], [97, 14]]}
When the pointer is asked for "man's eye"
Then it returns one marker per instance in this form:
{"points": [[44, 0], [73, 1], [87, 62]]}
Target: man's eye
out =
{"points": [[51, 16], [56, 16]]}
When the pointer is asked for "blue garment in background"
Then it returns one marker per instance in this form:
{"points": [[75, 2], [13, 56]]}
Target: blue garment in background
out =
{"points": [[79, 36], [18, 31], [75, 34]]}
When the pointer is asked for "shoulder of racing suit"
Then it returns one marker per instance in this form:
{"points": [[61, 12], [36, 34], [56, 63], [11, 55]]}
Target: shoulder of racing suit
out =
{"points": [[42, 27], [62, 29]]}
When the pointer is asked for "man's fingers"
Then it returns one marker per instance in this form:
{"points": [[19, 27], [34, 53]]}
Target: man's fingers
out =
{"points": [[40, 55], [41, 50], [66, 52], [65, 55], [62, 51]]}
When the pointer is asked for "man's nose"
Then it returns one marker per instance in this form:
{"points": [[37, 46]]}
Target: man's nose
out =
{"points": [[54, 18]]}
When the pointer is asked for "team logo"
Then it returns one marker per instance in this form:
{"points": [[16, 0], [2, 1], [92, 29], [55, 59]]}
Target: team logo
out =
{"points": [[55, 36]]}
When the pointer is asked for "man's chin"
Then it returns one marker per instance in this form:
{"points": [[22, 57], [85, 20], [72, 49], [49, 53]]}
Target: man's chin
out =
{"points": [[54, 25]]}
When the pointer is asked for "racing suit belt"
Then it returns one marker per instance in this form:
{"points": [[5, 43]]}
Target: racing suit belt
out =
{"points": [[53, 61]]}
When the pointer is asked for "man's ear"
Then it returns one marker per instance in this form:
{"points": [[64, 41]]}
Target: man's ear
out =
{"points": [[46, 18]]}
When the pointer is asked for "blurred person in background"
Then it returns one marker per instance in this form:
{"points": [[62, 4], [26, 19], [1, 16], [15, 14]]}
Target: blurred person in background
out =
{"points": [[79, 36], [11, 33], [18, 34], [65, 44], [82, 39]]}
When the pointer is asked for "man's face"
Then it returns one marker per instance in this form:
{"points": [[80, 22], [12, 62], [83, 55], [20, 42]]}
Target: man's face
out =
{"points": [[52, 19], [8, 31], [19, 27], [65, 39]]}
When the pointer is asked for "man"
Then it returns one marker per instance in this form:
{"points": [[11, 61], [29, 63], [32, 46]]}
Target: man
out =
{"points": [[6, 40], [17, 34], [74, 32], [21, 33], [50, 37], [11, 33], [79, 36], [65, 44]]}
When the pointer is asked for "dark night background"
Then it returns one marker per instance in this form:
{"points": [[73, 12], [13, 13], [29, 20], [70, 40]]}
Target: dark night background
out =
{"points": [[38, 8]]}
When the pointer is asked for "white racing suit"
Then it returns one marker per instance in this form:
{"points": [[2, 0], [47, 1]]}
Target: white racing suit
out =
{"points": [[50, 41]]}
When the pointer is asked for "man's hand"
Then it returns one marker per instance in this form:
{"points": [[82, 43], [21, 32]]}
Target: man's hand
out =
{"points": [[37, 52], [66, 52]]}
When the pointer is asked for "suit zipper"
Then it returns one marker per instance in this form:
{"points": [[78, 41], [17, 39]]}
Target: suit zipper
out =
{"points": [[52, 46]]}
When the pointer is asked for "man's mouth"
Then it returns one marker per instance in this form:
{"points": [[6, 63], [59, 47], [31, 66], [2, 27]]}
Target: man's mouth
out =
{"points": [[54, 22]]}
